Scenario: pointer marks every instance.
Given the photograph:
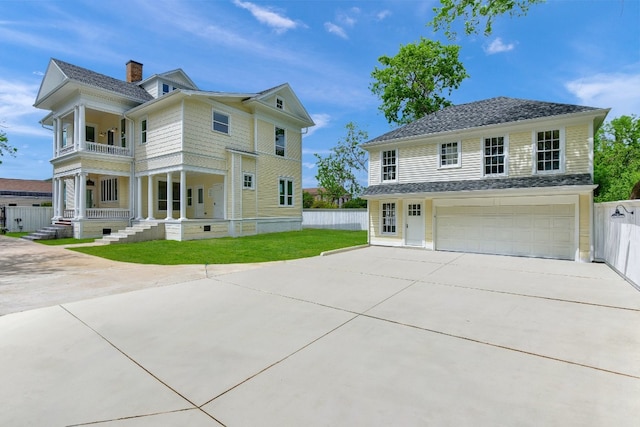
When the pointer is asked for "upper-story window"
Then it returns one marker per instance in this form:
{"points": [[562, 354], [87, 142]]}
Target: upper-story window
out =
{"points": [[548, 151], [449, 155], [280, 142], [388, 163], [166, 88], [143, 131], [495, 156], [123, 132], [90, 133], [280, 103], [248, 181], [220, 122]]}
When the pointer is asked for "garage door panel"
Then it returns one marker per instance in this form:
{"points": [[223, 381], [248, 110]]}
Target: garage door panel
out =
{"points": [[526, 230]]}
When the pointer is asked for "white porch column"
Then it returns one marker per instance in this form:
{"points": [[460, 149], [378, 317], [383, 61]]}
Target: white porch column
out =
{"points": [[150, 200], [169, 196], [61, 196], [139, 198], [55, 199], [183, 195], [83, 195], [83, 129], [76, 195], [76, 127], [56, 141]]}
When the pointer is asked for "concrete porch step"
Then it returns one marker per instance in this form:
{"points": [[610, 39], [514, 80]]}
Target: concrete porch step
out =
{"points": [[138, 232]]}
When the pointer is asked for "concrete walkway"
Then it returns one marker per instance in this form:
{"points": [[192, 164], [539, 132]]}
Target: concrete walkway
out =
{"points": [[371, 337]]}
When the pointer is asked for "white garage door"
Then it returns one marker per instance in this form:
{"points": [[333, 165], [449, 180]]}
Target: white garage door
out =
{"points": [[546, 231]]}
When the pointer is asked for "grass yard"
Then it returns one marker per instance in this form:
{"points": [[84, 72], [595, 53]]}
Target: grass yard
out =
{"points": [[229, 250]]}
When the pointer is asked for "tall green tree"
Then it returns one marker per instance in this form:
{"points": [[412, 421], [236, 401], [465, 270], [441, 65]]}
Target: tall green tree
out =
{"points": [[418, 80], [338, 172], [616, 163], [476, 13], [5, 147]]}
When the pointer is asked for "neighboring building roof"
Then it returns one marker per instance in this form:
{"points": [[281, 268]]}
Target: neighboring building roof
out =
{"points": [[25, 187], [481, 113], [480, 184], [86, 76]]}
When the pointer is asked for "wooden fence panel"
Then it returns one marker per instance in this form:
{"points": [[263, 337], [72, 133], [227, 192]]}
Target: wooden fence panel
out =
{"points": [[617, 238], [27, 218], [337, 219]]}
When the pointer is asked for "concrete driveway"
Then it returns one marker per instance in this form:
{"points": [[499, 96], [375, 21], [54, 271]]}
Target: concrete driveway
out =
{"points": [[370, 337]]}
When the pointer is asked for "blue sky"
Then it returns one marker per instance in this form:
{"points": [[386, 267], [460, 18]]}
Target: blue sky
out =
{"points": [[573, 51]]}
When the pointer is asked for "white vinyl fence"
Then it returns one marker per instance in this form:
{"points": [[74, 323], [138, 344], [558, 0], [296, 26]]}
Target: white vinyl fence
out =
{"points": [[337, 219], [617, 237], [30, 218]]}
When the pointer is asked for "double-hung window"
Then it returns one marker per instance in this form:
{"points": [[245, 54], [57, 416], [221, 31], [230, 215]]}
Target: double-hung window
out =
{"points": [[280, 103], [247, 181], [143, 131], [495, 156], [162, 196], [548, 146], [221, 122], [280, 142], [449, 155], [388, 160], [109, 190], [388, 218], [285, 189]]}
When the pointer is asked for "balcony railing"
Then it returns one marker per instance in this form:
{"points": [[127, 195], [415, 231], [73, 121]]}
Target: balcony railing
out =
{"points": [[107, 149], [94, 147]]}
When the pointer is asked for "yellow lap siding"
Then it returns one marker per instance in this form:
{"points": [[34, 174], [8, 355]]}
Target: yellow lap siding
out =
{"points": [[520, 154], [577, 149]]}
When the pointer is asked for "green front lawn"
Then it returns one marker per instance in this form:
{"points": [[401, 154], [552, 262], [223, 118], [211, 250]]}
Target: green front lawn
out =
{"points": [[229, 250]]}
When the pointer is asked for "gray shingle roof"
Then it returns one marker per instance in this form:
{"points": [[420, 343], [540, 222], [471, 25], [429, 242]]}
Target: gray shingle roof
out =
{"points": [[479, 184], [480, 113], [83, 75]]}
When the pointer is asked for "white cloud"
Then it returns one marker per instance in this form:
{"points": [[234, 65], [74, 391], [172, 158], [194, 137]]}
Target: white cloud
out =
{"points": [[498, 46], [321, 120], [335, 29], [618, 91], [17, 114], [309, 165], [382, 15], [268, 16], [348, 18]]}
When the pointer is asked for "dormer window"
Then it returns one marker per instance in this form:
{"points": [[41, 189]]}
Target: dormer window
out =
{"points": [[280, 103], [166, 88]]}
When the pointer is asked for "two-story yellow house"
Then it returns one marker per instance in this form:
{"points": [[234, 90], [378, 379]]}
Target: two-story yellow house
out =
{"points": [[159, 151], [499, 176]]}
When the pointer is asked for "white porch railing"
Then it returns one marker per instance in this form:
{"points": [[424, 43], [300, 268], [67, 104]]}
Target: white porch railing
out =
{"points": [[94, 147], [100, 213]]}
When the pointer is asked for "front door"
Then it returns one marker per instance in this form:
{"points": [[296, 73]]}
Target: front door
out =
{"points": [[218, 201], [89, 198], [199, 210], [414, 224]]}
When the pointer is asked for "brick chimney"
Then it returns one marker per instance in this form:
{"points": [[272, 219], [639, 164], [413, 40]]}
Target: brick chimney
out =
{"points": [[134, 71]]}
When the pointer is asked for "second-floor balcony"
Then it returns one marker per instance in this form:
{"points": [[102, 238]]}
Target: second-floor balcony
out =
{"points": [[89, 130]]}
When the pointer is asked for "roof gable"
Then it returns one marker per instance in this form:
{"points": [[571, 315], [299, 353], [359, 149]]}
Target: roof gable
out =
{"points": [[59, 73], [292, 104], [494, 111]]}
